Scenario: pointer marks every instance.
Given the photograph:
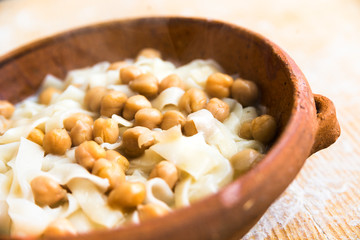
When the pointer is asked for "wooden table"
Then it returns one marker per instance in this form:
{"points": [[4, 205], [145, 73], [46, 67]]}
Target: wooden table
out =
{"points": [[323, 37]]}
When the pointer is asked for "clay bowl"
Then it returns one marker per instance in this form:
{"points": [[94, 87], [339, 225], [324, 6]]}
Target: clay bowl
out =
{"points": [[307, 122]]}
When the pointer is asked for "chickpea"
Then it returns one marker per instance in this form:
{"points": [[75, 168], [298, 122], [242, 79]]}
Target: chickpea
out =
{"points": [[263, 128], [57, 141], [93, 98], [189, 128], [245, 92], [151, 210], [219, 109], [117, 65], [106, 130], [110, 170], [167, 171], [193, 100], [112, 103], [245, 130], [218, 85], [127, 74], [130, 141], [127, 195], [114, 156], [80, 133], [87, 153], [6, 109], [134, 104], [70, 122], [171, 119], [36, 136], [245, 159], [47, 94], [173, 80], [149, 53], [47, 191], [59, 227], [148, 117], [146, 84]]}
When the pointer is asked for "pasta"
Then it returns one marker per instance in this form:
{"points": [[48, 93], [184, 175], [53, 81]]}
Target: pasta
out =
{"points": [[200, 149]]}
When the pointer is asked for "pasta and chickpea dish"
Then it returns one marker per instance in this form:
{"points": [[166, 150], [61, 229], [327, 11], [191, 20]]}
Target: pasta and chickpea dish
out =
{"points": [[123, 142]]}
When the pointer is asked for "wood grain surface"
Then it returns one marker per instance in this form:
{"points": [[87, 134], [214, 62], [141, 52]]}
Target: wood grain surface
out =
{"points": [[321, 36]]}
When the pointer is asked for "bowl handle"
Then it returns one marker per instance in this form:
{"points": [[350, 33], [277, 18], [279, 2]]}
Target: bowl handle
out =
{"points": [[328, 129]]}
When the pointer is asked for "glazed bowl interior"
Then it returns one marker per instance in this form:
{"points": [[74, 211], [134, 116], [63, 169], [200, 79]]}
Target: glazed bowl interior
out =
{"points": [[235, 209]]}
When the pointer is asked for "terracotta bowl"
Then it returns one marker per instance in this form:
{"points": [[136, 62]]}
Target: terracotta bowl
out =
{"points": [[307, 122]]}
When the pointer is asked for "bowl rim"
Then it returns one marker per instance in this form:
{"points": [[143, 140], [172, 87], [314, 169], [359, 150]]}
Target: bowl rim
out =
{"points": [[303, 111]]}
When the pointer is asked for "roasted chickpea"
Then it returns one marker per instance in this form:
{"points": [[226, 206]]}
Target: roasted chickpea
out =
{"points": [[47, 191], [80, 133], [57, 141], [218, 85], [127, 195], [70, 122], [167, 171], [117, 65], [134, 104], [173, 80], [245, 130], [87, 153], [151, 210], [189, 128], [47, 94], [149, 53], [193, 100], [146, 84], [171, 119], [245, 92], [245, 159], [106, 130], [93, 97], [112, 103], [36, 136], [131, 144], [148, 117], [6, 108], [127, 74], [59, 227], [110, 170], [219, 109], [114, 156], [263, 128]]}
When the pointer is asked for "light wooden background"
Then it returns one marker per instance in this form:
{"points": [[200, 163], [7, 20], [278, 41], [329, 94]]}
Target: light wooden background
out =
{"points": [[323, 37]]}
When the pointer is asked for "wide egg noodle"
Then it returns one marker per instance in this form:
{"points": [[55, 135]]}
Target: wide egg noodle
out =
{"points": [[214, 132], [182, 191], [159, 192], [169, 96], [82, 223], [195, 73], [5, 221], [65, 172], [94, 204], [145, 163], [156, 66], [7, 152], [52, 81], [71, 93], [14, 134], [124, 88], [25, 166], [190, 154], [28, 219]]}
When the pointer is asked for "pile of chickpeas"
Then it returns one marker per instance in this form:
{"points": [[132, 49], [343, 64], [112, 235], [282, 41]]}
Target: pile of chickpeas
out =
{"points": [[86, 134]]}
